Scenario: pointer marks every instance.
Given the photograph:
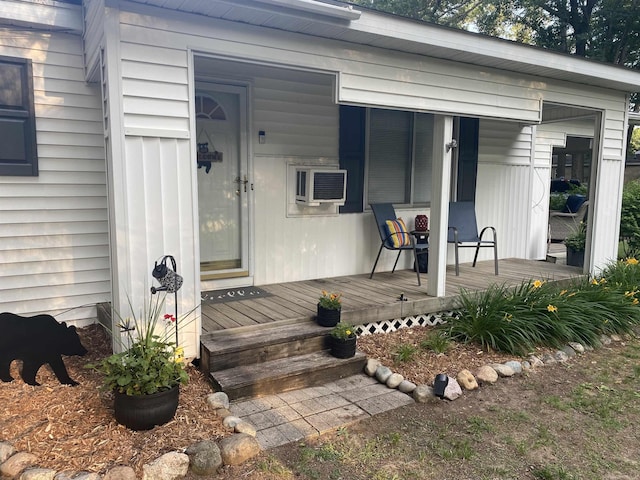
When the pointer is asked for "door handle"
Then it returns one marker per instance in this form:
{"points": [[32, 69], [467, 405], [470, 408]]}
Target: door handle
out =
{"points": [[243, 182]]}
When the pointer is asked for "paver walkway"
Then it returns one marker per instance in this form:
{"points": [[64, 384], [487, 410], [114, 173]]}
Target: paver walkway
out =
{"points": [[308, 412]]}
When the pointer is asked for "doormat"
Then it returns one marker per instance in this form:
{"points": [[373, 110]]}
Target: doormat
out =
{"points": [[233, 294]]}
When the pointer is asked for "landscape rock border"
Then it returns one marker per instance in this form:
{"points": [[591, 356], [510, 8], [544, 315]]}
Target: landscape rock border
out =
{"points": [[484, 375], [204, 458]]}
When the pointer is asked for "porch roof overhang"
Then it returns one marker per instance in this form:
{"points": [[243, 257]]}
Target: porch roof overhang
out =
{"points": [[340, 21]]}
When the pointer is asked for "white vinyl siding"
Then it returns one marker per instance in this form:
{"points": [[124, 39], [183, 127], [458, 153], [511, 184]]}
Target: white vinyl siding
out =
{"points": [[53, 228]]}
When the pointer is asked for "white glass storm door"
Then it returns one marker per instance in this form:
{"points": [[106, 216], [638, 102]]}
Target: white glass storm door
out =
{"points": [[223, 186]]}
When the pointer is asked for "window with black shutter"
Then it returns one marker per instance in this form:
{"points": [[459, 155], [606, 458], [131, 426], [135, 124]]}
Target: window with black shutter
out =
{"points": [[18, 153]]}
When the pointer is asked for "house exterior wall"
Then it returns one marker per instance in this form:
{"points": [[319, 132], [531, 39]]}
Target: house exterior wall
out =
{"points": [[54, 255], [151, 70]]}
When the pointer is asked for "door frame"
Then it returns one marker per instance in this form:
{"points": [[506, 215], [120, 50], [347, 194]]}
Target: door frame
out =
{"points": [[242, 276]]}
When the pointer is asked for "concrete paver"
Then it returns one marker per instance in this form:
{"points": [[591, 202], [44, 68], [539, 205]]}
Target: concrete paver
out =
{"points": [[304, 413]]}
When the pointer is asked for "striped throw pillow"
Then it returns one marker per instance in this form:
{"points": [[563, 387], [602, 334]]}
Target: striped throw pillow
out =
{"points": [[398, 231]]}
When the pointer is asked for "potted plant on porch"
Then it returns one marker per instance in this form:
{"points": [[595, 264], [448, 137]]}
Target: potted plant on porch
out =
{"points": [[343, 340], [575, 244], [145, 377], [329, 308]]}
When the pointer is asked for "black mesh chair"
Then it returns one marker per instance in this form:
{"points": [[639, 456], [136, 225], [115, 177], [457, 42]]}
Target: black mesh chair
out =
{"points": [[407, 242], [463, 232]]}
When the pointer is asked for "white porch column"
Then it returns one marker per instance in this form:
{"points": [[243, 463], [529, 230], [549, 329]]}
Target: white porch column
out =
{"points": [[440, 194]]}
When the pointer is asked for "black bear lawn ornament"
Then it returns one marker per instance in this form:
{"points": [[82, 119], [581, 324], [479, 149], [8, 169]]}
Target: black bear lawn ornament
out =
{"points": [[36, 341]]}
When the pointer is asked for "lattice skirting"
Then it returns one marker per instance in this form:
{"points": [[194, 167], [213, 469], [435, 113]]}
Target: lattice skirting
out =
{"points": [[387, 326]]}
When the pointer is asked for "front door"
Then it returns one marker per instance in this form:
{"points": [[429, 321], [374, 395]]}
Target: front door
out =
{"points": [[222, 180]]}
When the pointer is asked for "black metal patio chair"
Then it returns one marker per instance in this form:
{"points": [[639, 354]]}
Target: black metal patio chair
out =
{"points": [[463, 232], [394, 236]]}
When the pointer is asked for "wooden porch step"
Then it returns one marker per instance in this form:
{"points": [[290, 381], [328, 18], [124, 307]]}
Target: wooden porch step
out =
{"points": [[264, 343], [285, 374]]}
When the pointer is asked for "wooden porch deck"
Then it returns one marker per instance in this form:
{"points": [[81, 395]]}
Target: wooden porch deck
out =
{"points": [[372, 300]]}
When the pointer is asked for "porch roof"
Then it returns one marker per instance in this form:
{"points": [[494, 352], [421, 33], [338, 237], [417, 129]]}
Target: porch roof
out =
{"points": [[392, 32], [373, 300]]}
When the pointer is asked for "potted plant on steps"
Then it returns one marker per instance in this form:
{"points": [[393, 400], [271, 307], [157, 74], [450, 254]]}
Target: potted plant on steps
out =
{"points": [[343, 340], [575, 244], [145, 377], [329, 308]]}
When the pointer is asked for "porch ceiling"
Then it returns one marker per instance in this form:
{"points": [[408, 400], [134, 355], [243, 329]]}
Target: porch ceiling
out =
{"points": [[401, 34]]}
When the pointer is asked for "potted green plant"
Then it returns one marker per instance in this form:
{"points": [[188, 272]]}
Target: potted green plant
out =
{"points": [[329, 308], [343, 340], [146, 375], [575, 243]]}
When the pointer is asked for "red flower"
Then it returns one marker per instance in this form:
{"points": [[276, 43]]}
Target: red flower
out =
{"points": [[168, 316]]}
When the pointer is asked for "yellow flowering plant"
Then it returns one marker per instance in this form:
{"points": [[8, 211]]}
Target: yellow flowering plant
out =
{"points": [[330, 301], [150, 361], [343, 331]]}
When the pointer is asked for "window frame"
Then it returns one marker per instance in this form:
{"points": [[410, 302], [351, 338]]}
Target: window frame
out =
{"points": [[26, 112]]}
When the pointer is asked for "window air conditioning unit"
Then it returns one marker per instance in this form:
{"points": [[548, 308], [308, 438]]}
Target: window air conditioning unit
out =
{"points": [[315, 186]]}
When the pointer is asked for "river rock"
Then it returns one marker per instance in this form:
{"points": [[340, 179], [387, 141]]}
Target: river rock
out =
{"points": [[394, 380], [218, 400], [569, 351], [120, 472], [503, 370], [423, 393], [231, 421], [371, 366], [238, 448], [16, 463], [486, 374], [535, 361], [246, 427], [577, 347], [467, 380], [204, 458], [452, 391], [406, 386], [383, 373], [560, 356], [38, 474], [515, 365], [170, 466], [6, 450]]}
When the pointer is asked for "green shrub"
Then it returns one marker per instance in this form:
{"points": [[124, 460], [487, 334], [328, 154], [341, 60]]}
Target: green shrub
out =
{"points": [[436, 342], [630, 216], [557, 201], [405, 353]]}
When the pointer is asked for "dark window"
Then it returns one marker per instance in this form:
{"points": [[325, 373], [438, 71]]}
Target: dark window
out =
{"points": [[18, 154]]}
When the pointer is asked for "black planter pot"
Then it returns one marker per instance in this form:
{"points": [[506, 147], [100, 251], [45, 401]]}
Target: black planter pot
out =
{"points": [[575, 258], [327, 317], [343, 348], [143, 412]]}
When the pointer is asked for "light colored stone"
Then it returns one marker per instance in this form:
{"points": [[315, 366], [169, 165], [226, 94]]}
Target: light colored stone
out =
{"points": [[77, 476], [467, 380], [549, 359], [246, 427], [452, 391], [170, 466], [6, 450], [515, 365], [604, 340], [120, 472], [218, 400], [238, 448], [423, 393], [526, 366], [383, 373], [16, 463], [371, 366], [560, 356], [503, 370], [577, 347], [486, 374], [204, 458], [223, 412], [615, 337], [231, 421], [535, 361], [394, 380], [38, 474], [406, 386], [570, 352]]}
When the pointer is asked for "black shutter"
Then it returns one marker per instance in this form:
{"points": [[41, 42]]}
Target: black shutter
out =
{"points": [[467, 159], [352, 150], [18, 153]]}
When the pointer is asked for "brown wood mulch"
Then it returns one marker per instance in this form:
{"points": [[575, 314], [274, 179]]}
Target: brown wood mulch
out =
{"points": [[73, 428]]}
